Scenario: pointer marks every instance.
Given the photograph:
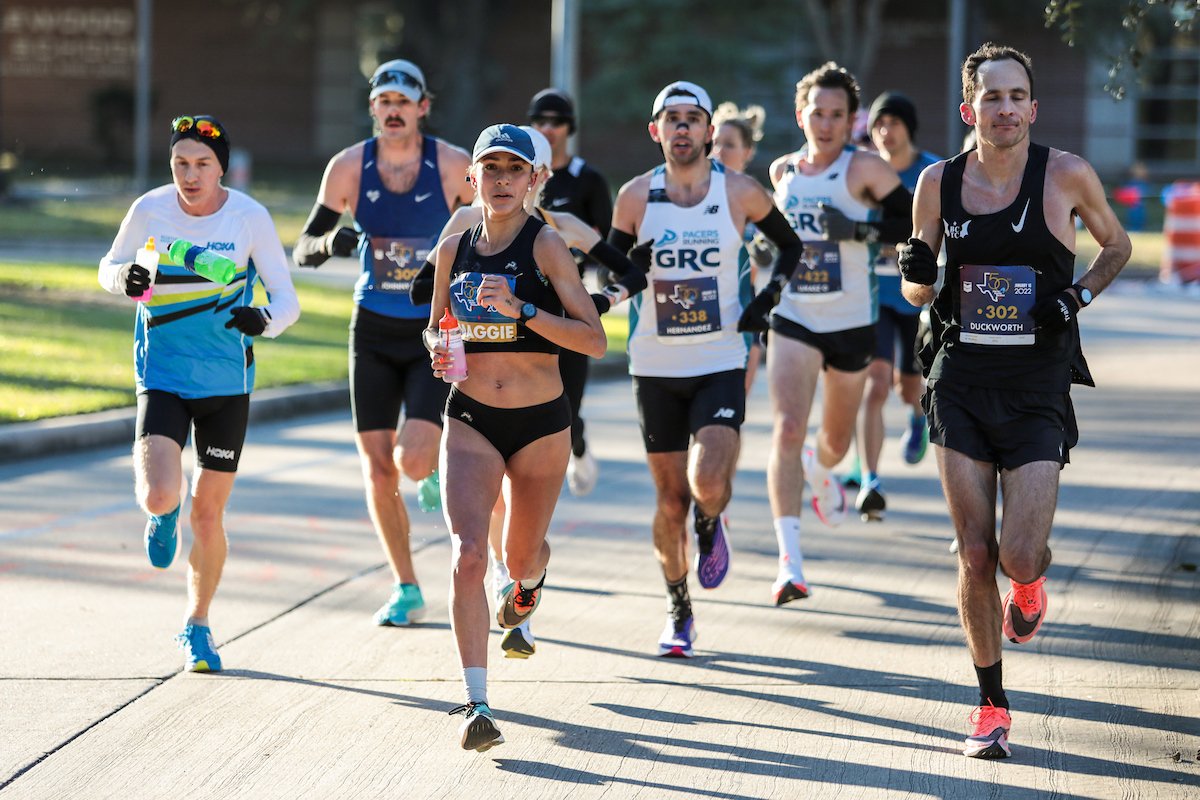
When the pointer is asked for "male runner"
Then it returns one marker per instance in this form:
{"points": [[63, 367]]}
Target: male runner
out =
{"points": [[825, 320], [1006, 351], [194, 354], [893, 124], [576, 188], [686, 356], [400, 187]]}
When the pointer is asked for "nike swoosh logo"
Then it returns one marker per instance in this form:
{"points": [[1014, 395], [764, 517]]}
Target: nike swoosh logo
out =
{"points": [[1019, 224], [1022, 626], [421, 198]]}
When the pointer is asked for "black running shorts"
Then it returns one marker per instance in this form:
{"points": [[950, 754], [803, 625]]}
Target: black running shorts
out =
{"points": [[849, 351], [672, 410], [389, 366], [896, 339], [219, 424], [1004, 427]]}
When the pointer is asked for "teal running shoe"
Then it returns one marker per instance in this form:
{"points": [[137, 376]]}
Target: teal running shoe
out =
{"points": [[479, 731], [853, 478], [429, 493], [199, 649], [915, 439], [405, 606], [162, 538]]}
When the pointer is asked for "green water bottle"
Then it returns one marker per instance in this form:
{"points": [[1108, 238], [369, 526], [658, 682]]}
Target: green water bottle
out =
{"points": [[429, 493], [205, 263]]}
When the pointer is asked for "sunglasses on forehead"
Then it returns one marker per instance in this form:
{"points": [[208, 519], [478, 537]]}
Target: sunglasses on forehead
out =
{"points": [[204, 127], [396, 76]]}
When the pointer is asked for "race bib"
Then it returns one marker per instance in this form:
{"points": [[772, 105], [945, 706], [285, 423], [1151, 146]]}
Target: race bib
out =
{"points": [[688, 310], [395, 262], [479, 323], [886, 263], [994, 304], [819, 273]]}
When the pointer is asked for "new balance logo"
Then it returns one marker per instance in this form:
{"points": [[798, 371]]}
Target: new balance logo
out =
{"points": [[1019, 224], [421, 198], [723, 413], [956, 231], [372, 195], [712, 209], [217, 452]]}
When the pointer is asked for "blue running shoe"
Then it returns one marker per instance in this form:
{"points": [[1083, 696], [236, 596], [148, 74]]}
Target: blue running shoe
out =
{"points": [[404, 607], [677, 637], [915, 439], [713, 566], [162, 538], [199, 649], [429, 493]]}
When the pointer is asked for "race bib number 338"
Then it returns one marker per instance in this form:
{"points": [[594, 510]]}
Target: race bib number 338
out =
{"points": [[995, 303], [687, 308]]}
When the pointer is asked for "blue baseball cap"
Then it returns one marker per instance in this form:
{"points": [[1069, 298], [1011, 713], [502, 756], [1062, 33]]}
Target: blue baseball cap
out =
{"points": [[504, 139]]}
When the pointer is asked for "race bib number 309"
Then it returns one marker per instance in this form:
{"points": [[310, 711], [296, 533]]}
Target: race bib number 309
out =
{"points": [[395, 262], [995, 303]]}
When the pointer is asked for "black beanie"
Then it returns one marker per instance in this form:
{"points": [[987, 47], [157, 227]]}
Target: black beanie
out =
{"points": [[897, 105], [219, 145], [553, 101]]}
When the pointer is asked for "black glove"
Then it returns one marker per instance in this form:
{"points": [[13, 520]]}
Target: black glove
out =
{"points": [[603, 304], [249, 320], [1054, 313], [640, 254], [137, 280], [341, 242], [836, 226], [755, 316], [918, 264]]}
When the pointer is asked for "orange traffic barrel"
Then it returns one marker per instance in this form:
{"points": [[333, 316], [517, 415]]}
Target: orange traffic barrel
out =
{"points": [[1181, 232]]}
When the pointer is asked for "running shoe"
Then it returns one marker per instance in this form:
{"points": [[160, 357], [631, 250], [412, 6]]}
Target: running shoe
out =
{"points": [[788, 587], [1024, 610], [429, 493], [518, 642], [915, 439], [518, 603], [582, 473], [871, 502], [677, 637], [713, 566], [162, 538], [199, 649], [990, 736], [478, 731], [828, 499], [404, 607], [853, 478]]}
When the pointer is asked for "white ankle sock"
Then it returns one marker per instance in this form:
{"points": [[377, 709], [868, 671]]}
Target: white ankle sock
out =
{"points": [[475, 679], [787, 535]]}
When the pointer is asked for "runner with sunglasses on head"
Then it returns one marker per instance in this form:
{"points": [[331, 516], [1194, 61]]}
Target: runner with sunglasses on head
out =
{"points": [[512, 285], [579, 236], [400, 187], [194, 354], [575, 188]]}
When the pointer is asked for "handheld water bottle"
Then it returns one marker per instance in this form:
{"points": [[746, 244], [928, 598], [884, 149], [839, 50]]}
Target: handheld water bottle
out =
{"points": [[452, 339], [147, 258], [205, 263]]}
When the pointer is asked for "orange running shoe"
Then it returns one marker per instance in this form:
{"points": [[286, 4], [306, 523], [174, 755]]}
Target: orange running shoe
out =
{"points": [[1024, 610], [518, 602], [990, 736]]}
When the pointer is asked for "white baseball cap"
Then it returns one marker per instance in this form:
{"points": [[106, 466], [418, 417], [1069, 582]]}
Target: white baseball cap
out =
{"points": [[401, 76], [543, 155], [682, 93]]}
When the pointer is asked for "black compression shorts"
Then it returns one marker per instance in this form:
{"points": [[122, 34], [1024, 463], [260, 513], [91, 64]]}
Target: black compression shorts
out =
{"points": [[672, 410], [219, 424], [389, 366], [896, 339], [848, 351], [510, 429]]}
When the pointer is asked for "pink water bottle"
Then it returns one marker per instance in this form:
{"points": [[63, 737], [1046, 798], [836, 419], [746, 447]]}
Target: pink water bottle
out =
{"points": [[147, 257], [452, 339]]}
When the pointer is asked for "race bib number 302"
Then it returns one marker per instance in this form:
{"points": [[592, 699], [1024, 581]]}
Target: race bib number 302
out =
{"points": [[994, 304], [688, 307], [395, 262]]}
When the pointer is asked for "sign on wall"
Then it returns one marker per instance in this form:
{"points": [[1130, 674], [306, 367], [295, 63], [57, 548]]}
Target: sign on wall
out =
{"points": [[82, 42]]}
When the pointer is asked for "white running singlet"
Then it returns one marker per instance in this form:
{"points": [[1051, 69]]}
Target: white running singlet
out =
{"points": [[837, 291], [685, 323]]}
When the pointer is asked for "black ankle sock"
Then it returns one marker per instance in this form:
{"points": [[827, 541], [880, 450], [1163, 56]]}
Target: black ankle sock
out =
{"points": [[991, 685], [706, 529], [679, 604]]}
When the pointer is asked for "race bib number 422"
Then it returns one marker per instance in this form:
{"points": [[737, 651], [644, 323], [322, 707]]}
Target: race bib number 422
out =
{"points": [[994, 304], [819, 272]]}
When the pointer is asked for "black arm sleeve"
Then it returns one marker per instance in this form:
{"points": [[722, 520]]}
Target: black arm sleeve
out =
{"points": [[632, 278], [598, 203], [775, 227], [896, 224], [310, 247], [621, 240], [421, 290]]}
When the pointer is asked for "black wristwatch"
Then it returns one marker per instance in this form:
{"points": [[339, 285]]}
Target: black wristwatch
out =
{"points": [[1085, 295], [528, 311]]}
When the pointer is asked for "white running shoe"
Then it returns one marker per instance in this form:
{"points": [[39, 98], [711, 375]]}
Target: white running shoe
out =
{"points": [[582, 473], [828, 499], [500, 578]]}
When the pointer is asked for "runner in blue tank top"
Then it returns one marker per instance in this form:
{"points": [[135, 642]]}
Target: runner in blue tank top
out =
{"points": [[400, 187]]}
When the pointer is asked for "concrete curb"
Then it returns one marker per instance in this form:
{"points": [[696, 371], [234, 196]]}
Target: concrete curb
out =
{"points": [[25, 440]]}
